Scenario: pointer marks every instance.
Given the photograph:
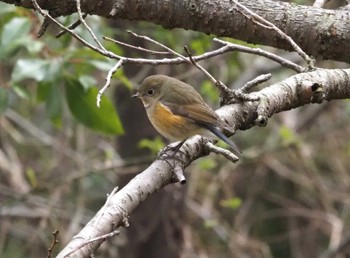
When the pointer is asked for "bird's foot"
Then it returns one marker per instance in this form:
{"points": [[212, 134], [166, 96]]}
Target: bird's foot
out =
{"points": [[170, 151]]}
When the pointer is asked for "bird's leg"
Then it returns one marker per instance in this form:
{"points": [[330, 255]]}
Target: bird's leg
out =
{"points": [[173, 149]]}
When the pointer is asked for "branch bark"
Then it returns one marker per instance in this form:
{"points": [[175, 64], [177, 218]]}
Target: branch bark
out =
{"points": [[301, 89], [319, 32]]}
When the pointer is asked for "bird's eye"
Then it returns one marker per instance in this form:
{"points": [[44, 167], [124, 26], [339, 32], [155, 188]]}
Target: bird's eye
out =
{"points": [[150, 92]]}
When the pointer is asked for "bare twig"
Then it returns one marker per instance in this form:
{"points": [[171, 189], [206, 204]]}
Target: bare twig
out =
{"points": [[108, 81], [261, 52], [226, 153], [178, 60], [226, 93], [44, 27], [222, 87], [251, 84], [71, 27], [96, 223], [100, 49], [159, 44], [88, 28], [75, 35], [266, 24], [99, 238], [53, 244], [137, 47]]}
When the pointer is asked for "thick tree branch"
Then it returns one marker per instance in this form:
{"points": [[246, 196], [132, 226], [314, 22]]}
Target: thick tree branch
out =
{"points": [[296, 91], [305, 24]]}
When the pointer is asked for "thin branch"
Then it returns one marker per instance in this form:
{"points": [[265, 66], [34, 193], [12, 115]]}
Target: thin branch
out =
{"points": [[159, 44], [108, 80], [53, 244], [71, 27], [180, 59], [262, 22], [101, 50], [44, 27], [224, 89], [99, 238], [253, 83], [226, 153], [227, 95], [137, 47], [221, 86], [75, 35], [88, 28], [261, 52]]}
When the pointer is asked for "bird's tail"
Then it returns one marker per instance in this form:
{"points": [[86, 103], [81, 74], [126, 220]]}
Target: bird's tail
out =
{"points": [[216, 131]]}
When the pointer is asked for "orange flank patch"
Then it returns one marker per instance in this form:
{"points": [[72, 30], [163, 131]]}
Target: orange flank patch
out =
{"points": [[173, 127]]}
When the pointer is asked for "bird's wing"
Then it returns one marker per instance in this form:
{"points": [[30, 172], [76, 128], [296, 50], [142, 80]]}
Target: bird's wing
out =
{"points": [[199, 113], [193, 107], [205, 117]]}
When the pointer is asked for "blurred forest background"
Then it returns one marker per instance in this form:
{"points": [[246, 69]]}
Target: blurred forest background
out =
{"points": [[60, 156]]}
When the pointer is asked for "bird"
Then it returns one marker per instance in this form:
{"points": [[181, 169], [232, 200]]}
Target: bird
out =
{"points": [[177, 111]]}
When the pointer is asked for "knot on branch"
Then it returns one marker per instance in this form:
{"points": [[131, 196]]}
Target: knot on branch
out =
{"points": [[235, 96], [311, 91], [319, 94], [178, 175], [261, 121]]}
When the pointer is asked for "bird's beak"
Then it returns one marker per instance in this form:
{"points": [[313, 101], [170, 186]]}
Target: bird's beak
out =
{"points": [[136, 95]]}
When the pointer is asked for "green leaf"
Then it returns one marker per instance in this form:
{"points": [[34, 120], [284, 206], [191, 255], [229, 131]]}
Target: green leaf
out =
{"points": [[49, 93], [3, 99], [42, 91], [14, 34], [87, 81], [34, 46], [15, 29], [122, 78], [207, 163], [21, 91], [104, 65], [288, 136], [82, 104], [232, 203], [30, 68], [210, 91], [200, 44], [32, 177], [54, 69], [210, 223], [6, 8], [153, 145], [54, 107]]}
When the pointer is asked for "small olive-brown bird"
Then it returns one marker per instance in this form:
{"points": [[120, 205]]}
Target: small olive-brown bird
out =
{"points": [[178, 111]]}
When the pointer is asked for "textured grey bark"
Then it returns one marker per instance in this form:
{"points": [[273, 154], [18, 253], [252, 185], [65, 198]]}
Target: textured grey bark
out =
{"points": [[321, 33]]}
